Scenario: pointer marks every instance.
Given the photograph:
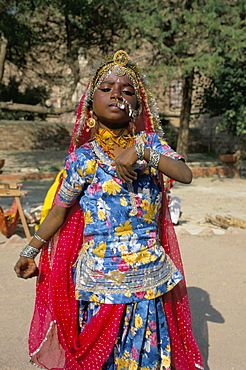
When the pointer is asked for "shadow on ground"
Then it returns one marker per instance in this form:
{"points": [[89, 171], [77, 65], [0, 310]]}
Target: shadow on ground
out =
{"points": [[202, 312]]}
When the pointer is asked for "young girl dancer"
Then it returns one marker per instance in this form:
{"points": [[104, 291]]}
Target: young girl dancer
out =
{"points": [[111, 292]]}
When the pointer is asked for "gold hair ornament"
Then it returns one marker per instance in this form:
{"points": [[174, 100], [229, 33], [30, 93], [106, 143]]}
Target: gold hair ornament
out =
{"points": [[121, 57]]}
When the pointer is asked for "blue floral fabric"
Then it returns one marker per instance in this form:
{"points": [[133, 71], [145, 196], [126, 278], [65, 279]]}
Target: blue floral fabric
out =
{"points": [[143, 341], [121, 260]]}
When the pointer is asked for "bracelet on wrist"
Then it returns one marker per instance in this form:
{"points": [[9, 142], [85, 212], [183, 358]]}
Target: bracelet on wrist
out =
{"points": [[29, 252], [154, 158], [39, 238], [139, 147]]}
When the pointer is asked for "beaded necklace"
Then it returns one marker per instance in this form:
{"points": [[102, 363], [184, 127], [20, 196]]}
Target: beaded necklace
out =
{"points": [[107, 139]]}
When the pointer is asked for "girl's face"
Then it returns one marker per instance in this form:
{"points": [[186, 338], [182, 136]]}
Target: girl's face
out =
{"points": [[112, 90]]}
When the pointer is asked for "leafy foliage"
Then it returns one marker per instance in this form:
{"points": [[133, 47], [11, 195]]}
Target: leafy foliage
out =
{"points": [[205, 36], [226, 97], [15, 25], [48, 37]]}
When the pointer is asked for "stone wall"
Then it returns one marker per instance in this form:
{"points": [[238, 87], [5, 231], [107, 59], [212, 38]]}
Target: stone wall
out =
{"points": [[203, 130], [34, 135], [203, 137], [38, 135]]}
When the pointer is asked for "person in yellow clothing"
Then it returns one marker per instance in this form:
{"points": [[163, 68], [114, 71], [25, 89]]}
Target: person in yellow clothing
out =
{"points": [[48, 201]]}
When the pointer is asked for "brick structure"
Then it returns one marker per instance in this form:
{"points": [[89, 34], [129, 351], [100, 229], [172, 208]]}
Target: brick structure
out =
{"points": [[34, 135]]}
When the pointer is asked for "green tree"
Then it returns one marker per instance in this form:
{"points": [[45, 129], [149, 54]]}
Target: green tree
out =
{"points": [[17, 37], [225, 95], [58, 31], [176, 38], [182, 38]]}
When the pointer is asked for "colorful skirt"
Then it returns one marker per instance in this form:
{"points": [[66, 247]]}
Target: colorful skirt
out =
{"points": [[143, 341]]}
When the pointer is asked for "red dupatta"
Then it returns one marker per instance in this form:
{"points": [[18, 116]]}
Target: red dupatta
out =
{"points": [[184, 349]]}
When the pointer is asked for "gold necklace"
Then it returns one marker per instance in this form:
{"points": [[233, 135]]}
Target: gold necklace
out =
{"points": [[134, 209], [107, 139]]}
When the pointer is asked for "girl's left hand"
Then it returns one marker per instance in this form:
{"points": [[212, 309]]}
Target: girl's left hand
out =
{"points": [[123, 164]]}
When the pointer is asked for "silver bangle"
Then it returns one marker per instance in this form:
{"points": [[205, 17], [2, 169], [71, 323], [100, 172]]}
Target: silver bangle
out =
{"points": [[39, 238], [139, 147], [29, 252], [154, 158]]}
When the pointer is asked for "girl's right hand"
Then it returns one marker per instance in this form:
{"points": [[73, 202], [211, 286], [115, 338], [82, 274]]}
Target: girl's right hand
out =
{"points": [[26, 268], [123, 164]]}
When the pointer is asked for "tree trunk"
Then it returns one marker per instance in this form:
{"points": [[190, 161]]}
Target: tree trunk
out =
{"points": [[183, 137], [34, 108], [3, 51], [74, 66], [240, 153], [72, 58]]}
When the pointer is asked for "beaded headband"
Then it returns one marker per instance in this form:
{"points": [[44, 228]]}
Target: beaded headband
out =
{"points": [[120, 64]]}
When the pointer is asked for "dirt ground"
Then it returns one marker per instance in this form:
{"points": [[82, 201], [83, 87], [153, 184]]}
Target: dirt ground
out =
{"points": [[214, 261]]}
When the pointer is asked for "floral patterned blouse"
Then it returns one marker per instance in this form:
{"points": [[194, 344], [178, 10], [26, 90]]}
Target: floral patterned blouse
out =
{"points": [[122, 260]]}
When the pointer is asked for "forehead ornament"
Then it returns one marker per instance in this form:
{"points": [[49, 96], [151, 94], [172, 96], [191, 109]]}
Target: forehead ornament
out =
{"points": [[118, 70], [121, 57]]}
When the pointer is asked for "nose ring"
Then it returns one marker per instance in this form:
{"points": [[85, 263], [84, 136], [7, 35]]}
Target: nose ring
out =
{"points": [[119, 104]]}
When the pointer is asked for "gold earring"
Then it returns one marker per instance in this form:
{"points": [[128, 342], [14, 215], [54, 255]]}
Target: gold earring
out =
{"points": [[91, 122]]}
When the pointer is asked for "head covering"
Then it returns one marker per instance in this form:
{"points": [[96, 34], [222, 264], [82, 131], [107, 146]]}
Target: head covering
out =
{"points": [[54, 340], [147, 118]]}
